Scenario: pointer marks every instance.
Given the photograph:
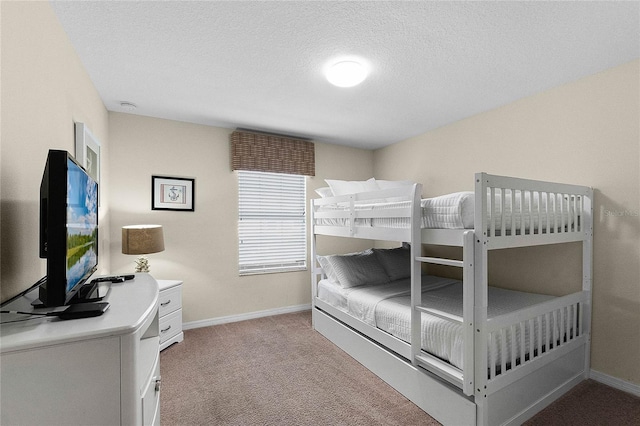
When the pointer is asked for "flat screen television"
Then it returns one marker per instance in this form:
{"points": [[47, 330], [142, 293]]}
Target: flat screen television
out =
{"points": [[68, 228]]}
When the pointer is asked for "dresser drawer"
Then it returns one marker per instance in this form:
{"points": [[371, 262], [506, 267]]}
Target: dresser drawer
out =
{"points": [[170, 300], [151, 397], [170, 325]]}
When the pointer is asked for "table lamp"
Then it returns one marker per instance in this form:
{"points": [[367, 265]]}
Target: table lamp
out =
{"points": [[142, 240]]}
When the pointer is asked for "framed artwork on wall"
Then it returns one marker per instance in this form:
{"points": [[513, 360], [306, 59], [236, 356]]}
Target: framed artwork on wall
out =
{"points": [[88, 150], [172, 193]]}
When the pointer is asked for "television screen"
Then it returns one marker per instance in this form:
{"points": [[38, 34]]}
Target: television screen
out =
{"points": [[82, 225]]}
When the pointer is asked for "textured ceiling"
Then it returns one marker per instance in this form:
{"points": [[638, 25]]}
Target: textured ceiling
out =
{"points": [[260, 65]]}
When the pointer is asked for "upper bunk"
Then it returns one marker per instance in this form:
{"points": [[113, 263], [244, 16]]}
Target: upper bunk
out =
{"points": [[512, 212]]}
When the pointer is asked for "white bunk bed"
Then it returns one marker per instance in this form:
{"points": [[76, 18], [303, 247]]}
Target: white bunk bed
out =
{"points": [[502, 378]]}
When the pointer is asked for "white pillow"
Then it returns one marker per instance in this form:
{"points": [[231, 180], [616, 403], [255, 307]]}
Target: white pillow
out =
{"points": [[324, 192], [386, 184], [354, 269], [343, 187], [327, 268]]}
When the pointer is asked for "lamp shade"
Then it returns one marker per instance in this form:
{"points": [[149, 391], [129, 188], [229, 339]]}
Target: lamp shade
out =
{"points": [[142, 239]]}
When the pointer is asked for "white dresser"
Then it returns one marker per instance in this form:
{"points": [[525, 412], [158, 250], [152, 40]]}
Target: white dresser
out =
{"points": [[101, 371], [170, 312]]}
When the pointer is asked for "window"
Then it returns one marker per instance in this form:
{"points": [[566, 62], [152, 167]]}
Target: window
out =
{"points": [[272, 231]]}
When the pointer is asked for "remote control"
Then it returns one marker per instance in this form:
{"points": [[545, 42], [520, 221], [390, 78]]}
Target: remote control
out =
{"points": [[114, 278]]}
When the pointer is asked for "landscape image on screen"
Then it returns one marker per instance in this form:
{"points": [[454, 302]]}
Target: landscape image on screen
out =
{"points": [[82, 224]]}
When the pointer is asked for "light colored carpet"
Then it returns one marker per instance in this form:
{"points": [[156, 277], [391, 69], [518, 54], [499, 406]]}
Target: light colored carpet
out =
{"points": [[279, 371], [591, 404]]}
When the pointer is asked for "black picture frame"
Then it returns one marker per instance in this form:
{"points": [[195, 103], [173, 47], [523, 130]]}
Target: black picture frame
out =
{"points": [[172, 193]]}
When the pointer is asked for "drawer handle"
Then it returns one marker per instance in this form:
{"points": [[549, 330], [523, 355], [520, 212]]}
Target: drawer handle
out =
{"points": [[157, 384], [165, 330], [166, 303]]}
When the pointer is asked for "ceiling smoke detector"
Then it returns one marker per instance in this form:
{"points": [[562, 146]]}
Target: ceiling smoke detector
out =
{"points": [[128, 106], [346, 73]]}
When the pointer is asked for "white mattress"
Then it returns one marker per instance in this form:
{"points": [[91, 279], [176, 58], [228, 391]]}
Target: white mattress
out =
{"points": [[388, 306], [457, 211]]}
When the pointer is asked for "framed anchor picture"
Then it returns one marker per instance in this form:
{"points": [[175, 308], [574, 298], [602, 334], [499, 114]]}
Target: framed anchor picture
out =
{"points": [[172, 193]]}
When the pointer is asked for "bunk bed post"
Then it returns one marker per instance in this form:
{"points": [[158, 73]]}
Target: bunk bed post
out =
{"points": [[468, 301], [312, 260], [587, 274], [481, 299], [416, 272]]}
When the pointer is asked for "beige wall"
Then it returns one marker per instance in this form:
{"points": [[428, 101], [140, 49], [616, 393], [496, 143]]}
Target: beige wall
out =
{"points": [[201, 246], [45, 89], [585, 133]]}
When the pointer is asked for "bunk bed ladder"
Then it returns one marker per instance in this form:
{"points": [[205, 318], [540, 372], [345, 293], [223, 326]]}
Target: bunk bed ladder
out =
{"points": [[416, 273], [463, 378]]}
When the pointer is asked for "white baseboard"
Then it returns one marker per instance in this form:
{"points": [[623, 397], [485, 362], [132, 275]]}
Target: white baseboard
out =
{"points": [[614, 382], [243, 317]]}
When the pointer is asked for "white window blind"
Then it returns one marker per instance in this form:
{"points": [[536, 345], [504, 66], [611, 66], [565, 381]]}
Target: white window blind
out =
{"points": [[271, 225]]}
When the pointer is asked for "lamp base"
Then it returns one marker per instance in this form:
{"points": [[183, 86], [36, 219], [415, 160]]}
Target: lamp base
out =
{"points": [[142, 264]]}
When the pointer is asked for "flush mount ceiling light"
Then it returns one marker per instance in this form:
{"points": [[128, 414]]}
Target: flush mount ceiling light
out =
{"points": [[346, 73]]}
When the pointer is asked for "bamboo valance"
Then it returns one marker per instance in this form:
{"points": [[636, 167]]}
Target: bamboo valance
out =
{"points": [[272, 153]]}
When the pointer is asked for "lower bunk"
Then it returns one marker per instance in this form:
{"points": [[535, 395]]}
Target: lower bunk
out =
{"points": [[513, 403], [383, 312]]}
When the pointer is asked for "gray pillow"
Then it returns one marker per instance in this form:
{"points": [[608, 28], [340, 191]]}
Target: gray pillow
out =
{"points": [[396, 262], [355, 269]]}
